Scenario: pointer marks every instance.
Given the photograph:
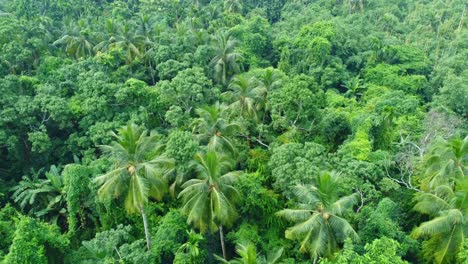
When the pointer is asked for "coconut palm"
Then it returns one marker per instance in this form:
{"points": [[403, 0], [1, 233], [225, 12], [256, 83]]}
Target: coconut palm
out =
{"points": [[138, 172], [213, 128], [320, 225], [225, 61], [209, 201], [270, 79], [77, 40], [448, 228], [246, 93], [125, 38], [234, 6], [446, 162]]}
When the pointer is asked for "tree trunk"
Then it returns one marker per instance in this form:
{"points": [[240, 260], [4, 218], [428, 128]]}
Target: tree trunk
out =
{"points": [[221, 238], [145, 225], [315, 259], [460, 25]]}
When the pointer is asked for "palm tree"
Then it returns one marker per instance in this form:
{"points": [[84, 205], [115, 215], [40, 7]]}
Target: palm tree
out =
{"points": [[209, 200], [192, 246], [248, 255], [213, 128], [137, 172], [77, 41], [246, 94], [448, 228], [234, 6], [320, 225], [445, 162], [125, 38], [270, 79], [225, 61]]}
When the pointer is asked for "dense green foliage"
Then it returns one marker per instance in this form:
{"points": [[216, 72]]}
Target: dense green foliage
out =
{"points": [[233, 131]]}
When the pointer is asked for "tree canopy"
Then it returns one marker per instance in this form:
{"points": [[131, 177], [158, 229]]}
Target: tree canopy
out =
{"points": [[233, 131]]}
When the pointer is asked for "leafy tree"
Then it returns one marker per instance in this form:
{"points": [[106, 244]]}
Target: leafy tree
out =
{"points": [[33, 242], [453, 94], [169, 236], [209, 201], [380, 221], [77, 179], [112, 246], [336, 128], [7, 228], [136, 172], [289, 110], [294, 163], [181, 147], [189, 89], [320, 225], [382, 250]]}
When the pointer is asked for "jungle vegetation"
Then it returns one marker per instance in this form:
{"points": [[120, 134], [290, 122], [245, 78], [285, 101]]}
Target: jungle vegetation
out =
{"points": [[235, 131]]}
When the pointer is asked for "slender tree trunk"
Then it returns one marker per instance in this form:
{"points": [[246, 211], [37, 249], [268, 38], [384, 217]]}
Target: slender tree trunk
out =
{"points": [[460, 25], [145, 225], [221, 238], [224, 78], [315, 259]]}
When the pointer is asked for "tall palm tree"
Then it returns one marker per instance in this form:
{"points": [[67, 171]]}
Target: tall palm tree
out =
{"points": [[137, 172], [209, 201], [320, 225], [77, 40], [448, 228], [246, 94], [213, 127], [225, 61], [446, 162], [270, 79], [123, 37], [234, 6]]}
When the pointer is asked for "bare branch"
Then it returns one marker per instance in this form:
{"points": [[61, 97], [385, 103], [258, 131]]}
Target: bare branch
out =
{"points": [[362, 200]]}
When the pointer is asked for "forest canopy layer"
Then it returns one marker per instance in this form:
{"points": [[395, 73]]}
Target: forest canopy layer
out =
{"points": [[235, 131]]}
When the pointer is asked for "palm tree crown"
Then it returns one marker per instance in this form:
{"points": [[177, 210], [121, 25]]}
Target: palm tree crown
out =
{"points": [[213, 128], [135, 173], [445, 162], [77, 41], [448, 228], [209, 200], [226, 58], [246, 94], [138, 171], [318, 217]]}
